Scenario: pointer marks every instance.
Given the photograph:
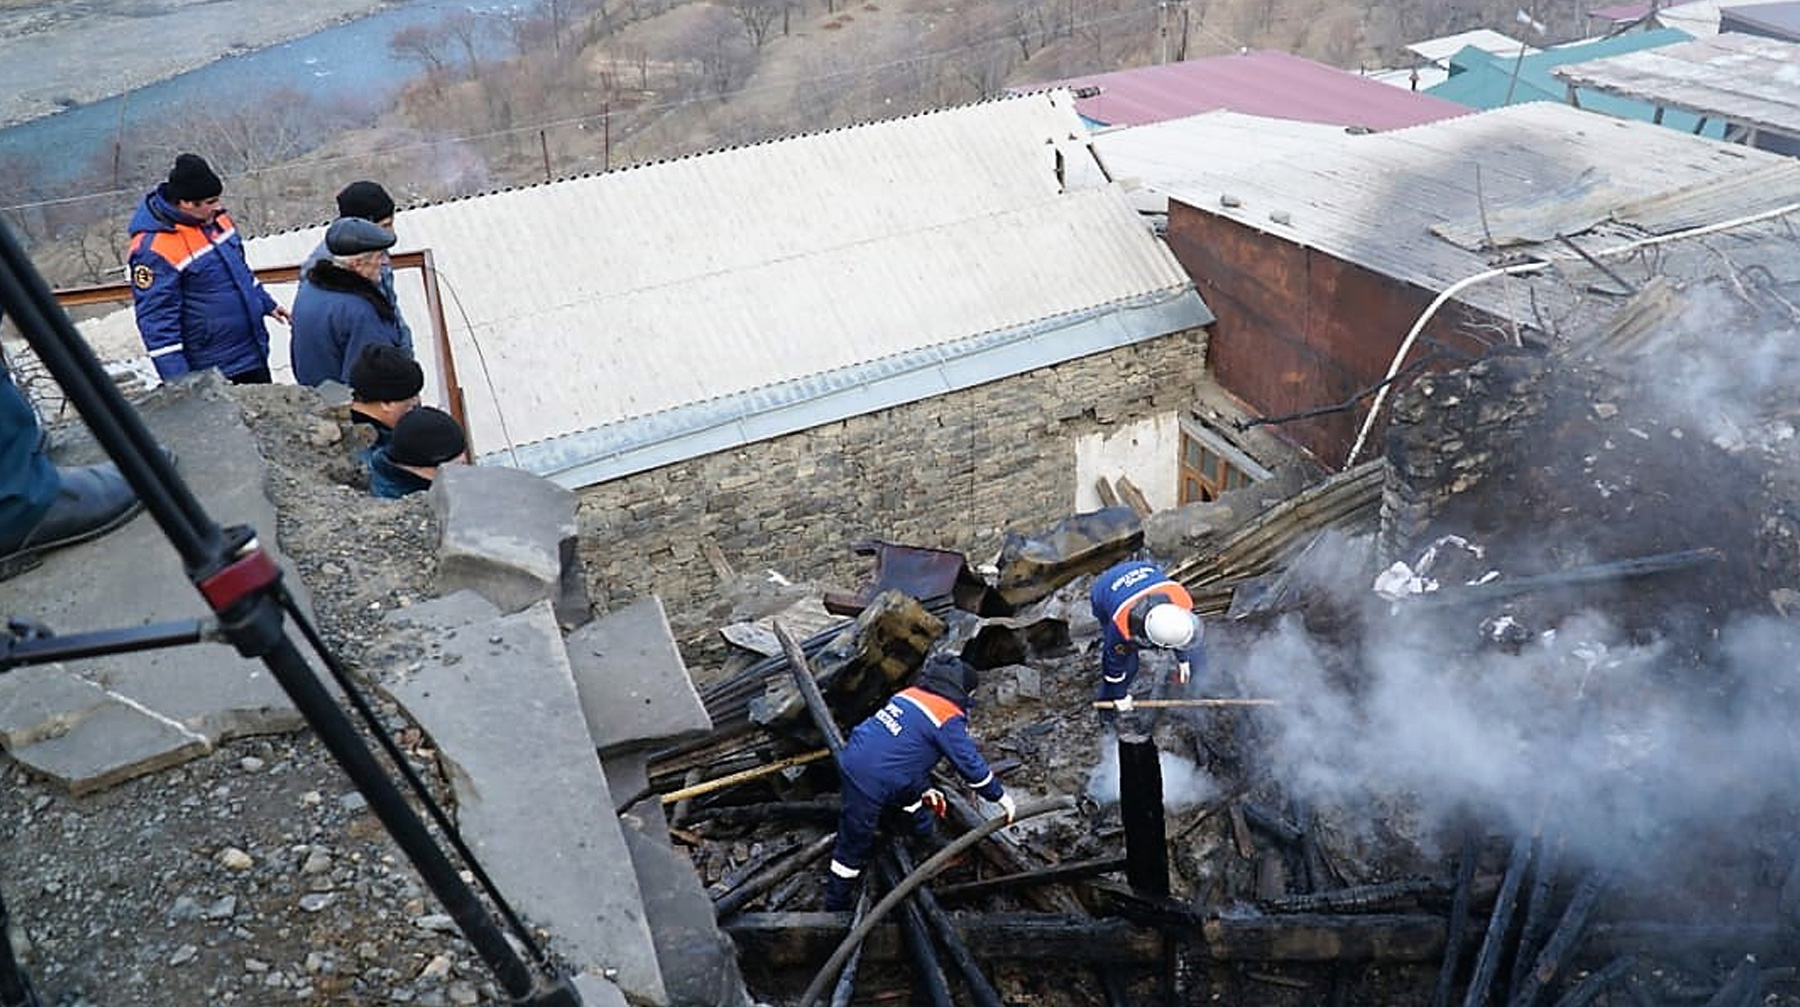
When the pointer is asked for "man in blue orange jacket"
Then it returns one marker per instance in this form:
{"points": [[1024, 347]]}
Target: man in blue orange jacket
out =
{"points": [[1138, 606], [887, 763], [198, 304]]}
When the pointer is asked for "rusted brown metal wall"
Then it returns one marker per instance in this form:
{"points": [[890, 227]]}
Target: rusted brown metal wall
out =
{"points": [[1299, 329]]}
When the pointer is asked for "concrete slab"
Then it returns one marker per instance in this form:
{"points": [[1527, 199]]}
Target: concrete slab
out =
{"points": [[208, 688], [635, 689], [114, 743], [498, 701], [510, 536], [699, 963]]}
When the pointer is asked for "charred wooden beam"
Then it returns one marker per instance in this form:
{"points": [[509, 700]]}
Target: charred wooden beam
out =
{"points": [[1359, 898], [1270, 823], [1770, 942], [749, 868], [1321, 938], [820, 810], [1141, 810], [980, 989], [1563, 939], [1005, 853], [1537, 907], [1594, 983], [1743, 987], [1459, 916], [927, 971], [1642, 566], [805, 939], [1493, 943], [741, 896], [1029, 879]]}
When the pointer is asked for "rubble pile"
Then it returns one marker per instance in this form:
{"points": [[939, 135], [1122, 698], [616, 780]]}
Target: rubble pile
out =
{"points": [[1527, 742]]}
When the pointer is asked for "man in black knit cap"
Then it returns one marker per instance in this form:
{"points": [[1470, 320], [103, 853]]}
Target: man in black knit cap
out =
{"points": [[384, 386], [198, 304], [423, 440]]}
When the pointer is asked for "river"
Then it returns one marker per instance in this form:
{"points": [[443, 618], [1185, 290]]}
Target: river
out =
{"points": [[346, 63]]}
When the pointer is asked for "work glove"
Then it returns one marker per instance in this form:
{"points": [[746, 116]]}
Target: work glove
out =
{"points": [[1008, 805], [935, 800], [1182, 672], [1124, 704]]}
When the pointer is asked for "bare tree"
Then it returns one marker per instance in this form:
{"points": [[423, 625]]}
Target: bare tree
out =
{"points": [[758, 17], [426, 45]]}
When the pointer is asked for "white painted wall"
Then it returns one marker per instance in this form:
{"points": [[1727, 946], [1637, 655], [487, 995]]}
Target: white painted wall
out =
{"points": [[1147, 452]]}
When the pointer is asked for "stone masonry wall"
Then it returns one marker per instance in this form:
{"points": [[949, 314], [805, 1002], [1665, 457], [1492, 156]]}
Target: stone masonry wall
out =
{"points": [[1449, 432], [952, 472]]}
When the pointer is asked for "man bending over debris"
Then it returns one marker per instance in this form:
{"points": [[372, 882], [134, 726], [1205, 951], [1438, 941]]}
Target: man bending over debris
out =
{"points": [[1139, 606], [887, 764]]}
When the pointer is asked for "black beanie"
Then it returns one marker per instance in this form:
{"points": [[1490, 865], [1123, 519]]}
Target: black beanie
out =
{"points": [[426, 437], [949, 676], [192, 180], [385, 373], [366, 200]]}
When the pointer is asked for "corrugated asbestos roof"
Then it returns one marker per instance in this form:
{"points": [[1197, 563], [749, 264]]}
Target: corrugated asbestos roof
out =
{"points": [[1775, 20], [1398, 203], [1744, 79], [1146, 159], [1274, 84], [638, 317]]}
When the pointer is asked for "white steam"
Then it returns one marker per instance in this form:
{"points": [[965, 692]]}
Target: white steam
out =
{"points": [[1184, 784]]}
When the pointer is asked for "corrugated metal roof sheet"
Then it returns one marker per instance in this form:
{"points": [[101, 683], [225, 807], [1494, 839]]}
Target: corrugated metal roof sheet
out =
{"points": [[611, 301], [1700, 18], [1490, 81], [1275, 84], [1376, 200], [1775, 20], [1743, 79]]}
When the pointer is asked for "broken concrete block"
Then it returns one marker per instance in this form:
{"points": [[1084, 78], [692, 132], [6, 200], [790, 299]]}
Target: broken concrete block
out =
{"points": [[509, 536], [110, 743], [1028, 680], [634, 686], [499, 702]]}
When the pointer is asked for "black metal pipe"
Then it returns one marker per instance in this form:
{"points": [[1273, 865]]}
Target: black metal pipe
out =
{"points": [[1141, 811], [76, 646]]}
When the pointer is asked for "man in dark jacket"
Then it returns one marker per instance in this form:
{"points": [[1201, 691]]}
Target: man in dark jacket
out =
{"points": [[367, 201], [198, 304], [384, 386], [1139, 606], [887, 764], [423, 440], [341, 309]]}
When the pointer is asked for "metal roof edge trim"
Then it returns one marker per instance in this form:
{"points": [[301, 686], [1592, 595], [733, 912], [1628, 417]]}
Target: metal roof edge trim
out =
{"points": [[605, 453]]}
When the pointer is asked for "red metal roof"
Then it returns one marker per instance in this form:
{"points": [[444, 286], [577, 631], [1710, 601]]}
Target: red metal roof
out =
{"points": [[1267, 83]]}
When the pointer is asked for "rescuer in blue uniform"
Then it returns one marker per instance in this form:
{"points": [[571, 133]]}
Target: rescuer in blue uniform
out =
{"points": [[887, 763], [1139, 606]]}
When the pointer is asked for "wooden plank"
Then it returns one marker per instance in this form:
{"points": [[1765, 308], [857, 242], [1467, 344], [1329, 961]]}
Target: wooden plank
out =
{"points": [[1133, 496], [1107, 497]]}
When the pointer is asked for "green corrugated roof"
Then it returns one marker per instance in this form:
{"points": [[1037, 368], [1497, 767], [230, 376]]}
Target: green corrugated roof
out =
{"points": [[1483, 80]]}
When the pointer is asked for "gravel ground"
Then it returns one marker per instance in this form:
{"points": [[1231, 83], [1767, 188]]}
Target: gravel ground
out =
{"points": [[255, 875]]}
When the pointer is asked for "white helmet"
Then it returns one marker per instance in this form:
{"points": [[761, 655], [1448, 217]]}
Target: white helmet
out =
{"points": [[1169, 625]]}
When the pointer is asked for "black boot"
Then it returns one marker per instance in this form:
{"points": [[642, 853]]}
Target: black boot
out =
{"points": [[840, 892], [94, 500]]}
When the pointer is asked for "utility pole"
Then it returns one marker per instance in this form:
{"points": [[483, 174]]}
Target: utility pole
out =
{"points": [[1168, 14]]}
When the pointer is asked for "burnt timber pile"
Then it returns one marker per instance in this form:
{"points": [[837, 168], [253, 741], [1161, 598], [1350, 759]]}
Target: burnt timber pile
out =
{"points": [[1531, 740]]}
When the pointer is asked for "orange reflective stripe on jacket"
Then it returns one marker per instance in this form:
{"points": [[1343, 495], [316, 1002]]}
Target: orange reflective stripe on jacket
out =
{"points": [[1173, 589], [939, 709]]}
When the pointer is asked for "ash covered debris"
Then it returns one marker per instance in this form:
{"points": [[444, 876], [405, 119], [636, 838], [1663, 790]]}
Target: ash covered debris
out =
{"points": [[1559, 768]]}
